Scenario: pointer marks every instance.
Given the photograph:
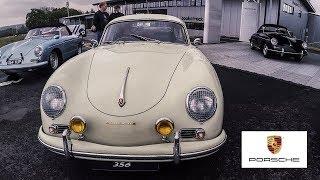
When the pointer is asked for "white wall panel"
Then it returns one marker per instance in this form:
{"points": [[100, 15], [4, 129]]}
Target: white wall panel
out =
{"points": [[231, 17]]}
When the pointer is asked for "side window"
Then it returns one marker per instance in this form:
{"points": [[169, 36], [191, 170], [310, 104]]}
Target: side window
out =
{"points": [[64, 31], [260, 30]]}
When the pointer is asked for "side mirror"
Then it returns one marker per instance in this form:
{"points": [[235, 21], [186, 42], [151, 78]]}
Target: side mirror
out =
{"points": [[82, 32], [94, 43], [197, 42], [56, 37]]}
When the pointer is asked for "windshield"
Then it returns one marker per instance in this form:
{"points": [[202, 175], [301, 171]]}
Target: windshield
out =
{"points": [[280, 30], [154, 31], [43, 32]]}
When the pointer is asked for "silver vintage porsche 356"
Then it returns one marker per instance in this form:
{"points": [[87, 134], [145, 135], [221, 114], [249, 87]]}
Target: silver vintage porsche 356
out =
{"points": [[144, 94], [42, 47]]}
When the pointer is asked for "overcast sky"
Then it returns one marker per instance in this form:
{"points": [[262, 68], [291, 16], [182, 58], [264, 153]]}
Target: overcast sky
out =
{"points": [[14, 11]]}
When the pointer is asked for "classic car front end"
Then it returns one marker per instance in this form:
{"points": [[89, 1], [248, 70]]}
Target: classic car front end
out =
{"points": [[23, 55], [149, 101], [288, 48]]}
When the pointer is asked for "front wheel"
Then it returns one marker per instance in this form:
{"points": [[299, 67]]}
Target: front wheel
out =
{"points": [[265, 51], [54, 61]]}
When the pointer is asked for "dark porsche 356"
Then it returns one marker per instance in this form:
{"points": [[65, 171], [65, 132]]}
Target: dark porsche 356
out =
{"points": [[277, 40]]}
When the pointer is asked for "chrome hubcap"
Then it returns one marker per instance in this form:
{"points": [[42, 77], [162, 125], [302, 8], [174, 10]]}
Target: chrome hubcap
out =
{"points": [[54, 60]]}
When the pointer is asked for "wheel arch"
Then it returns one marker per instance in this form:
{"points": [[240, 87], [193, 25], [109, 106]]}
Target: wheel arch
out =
{"points": [[58, 51]]}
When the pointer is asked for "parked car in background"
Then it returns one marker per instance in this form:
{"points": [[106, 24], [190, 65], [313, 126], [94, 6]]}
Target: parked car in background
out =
{"points": [[42, 47], [145, 94], [277, 40]]}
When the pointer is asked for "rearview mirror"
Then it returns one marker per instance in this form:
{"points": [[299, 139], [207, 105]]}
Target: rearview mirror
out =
{"points": [[197, 42], [94, 43]]}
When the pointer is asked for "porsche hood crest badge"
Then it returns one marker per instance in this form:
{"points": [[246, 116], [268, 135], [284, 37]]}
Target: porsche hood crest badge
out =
{"points": [[274, 144]]}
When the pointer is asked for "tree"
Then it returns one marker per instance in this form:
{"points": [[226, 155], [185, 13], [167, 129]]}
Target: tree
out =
{"points": [[46, 17]]}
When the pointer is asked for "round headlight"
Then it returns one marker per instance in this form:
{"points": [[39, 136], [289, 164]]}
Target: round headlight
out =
{"points": [[274, 41], [201, 104], [38, 51], [304, 45], [78, 125], [164, 127], [53, 101]]}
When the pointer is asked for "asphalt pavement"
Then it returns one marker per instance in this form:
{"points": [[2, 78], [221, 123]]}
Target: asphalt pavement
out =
{"points": [[252, 102]]}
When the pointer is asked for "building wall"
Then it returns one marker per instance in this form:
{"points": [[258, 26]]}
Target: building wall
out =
{"points": [[231, 15], [294, 22], [272, 13], [231, 18], [313, 28]]}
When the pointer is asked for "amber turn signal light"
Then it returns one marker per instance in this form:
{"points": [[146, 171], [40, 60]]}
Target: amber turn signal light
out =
{"points": [[78, 125], [164, 126]]}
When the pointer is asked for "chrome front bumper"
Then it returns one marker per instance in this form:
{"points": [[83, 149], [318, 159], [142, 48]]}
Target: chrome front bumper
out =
{"points": [[176, 156], [282, 52], [23, 66]]}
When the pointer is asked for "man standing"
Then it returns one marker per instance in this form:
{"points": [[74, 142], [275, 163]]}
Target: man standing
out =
{"points": [[100, 20], [116, 13]]}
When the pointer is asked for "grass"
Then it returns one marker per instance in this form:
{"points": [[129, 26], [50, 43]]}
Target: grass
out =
{"points": [[10, 39]]}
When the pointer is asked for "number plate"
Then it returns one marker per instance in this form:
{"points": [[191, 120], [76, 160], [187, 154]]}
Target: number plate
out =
{"points": [[127, 166], [16, 61]]}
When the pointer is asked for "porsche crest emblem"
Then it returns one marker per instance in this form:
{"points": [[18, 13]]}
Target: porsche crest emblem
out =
{"points": [[274, 144], [121, 102]]}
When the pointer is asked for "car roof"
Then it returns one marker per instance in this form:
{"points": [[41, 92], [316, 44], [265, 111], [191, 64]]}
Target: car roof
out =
{"points": [[274, 25], [148, 17]]}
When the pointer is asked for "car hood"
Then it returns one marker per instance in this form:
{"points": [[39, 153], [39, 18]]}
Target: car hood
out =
{"points": [[151, 66], [283, 39], [25, 46]]}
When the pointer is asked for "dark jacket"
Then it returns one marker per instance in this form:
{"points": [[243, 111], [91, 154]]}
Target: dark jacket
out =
{"points": [[115, 15], [100, 20]]}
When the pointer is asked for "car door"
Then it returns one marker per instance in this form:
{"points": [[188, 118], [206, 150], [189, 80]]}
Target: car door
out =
{"points": [[68, 43]]}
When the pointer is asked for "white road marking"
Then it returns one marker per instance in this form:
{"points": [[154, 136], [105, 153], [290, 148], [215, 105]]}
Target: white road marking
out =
{"points": [[6, 83]]}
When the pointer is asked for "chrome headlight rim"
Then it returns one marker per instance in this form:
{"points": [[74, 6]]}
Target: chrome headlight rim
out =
{"points": [[215, 105], [64, 98], [38, 51], [304, 45], [274, 41]]}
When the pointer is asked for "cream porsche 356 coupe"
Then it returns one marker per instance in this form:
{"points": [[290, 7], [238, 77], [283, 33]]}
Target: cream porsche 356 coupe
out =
{"points": [[143, 94]]}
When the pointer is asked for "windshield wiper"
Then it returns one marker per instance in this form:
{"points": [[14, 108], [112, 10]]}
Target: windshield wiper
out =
{"points": [[145, 38]]}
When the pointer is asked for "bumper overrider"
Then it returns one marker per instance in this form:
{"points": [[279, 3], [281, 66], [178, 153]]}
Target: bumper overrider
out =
{"points": [[164, 152]]}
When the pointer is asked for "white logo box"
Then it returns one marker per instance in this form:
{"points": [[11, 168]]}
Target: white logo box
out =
{"points": [[255, 152]]}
